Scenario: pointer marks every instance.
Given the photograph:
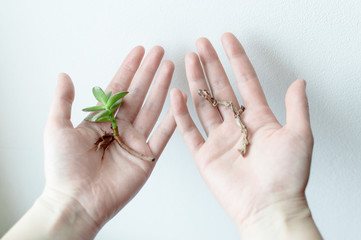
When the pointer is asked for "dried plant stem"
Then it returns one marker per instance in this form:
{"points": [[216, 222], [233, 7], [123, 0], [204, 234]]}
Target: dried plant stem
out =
{"points": [[236, 112], [128, 149]]}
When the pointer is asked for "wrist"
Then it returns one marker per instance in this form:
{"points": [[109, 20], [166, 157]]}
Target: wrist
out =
{"points": [[289, 219], [54, 216], [66, 217]]}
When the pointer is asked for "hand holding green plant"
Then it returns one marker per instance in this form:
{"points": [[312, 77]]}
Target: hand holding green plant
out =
{"points": [[83, 190], [104, 184]]}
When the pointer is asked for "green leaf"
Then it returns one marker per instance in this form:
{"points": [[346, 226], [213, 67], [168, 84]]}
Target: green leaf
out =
{"points": [[105, 119], [115, 98], [99, 115], [116, 105], [93, 109], [108, 94], [100, 95]]}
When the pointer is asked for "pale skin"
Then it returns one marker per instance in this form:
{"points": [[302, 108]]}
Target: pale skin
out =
{"points": [[83, 191], [264, 191]]}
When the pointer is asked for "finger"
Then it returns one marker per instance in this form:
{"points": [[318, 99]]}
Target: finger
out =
{"points": [[208, 115], [149, 113], [247, 80], [160, 137], [217, 78], [60, 110], [126, 71], [298, 117], [140, 85], [162, 134], [186, 126]]}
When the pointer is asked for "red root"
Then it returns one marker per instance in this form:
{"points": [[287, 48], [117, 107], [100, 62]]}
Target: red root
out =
{"points": [[104, 142]]}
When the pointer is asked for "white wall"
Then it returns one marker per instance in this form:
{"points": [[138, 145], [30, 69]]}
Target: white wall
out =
{"points": [[316, 40]]}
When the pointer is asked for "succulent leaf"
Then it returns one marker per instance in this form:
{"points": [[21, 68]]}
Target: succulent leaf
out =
{"points": [[93, 109], [116, 105], [105, 119], [115, 98], [100, 95], [108, 94], [99, 115]]}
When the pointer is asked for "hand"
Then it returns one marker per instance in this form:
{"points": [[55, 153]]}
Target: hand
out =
{"points": [[75, 171], [274, 172]]}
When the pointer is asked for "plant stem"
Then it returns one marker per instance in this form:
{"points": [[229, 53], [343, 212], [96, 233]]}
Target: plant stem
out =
{"points": [[125, 147]]}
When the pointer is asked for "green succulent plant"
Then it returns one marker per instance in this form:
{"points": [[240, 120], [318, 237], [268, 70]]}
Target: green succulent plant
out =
{"points": [[109, 105], [106, 113]]}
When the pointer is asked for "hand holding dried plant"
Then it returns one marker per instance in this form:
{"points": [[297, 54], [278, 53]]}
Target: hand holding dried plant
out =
{"points": [[83, 190], [264, 190]]}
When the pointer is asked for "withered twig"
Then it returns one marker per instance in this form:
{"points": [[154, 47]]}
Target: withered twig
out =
{"points": [[237, 115]]}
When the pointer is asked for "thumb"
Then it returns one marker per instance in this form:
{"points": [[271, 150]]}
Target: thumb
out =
{"points": [[298, 117], [60, 110]]}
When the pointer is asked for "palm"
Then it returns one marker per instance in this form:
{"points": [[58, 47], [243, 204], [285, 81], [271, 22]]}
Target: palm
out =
{"points": [[90, 174], [225, 170], [104, 185], [269, 171]]}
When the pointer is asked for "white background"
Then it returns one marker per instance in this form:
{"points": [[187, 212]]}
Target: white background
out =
{"points": [[316, 40]]}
